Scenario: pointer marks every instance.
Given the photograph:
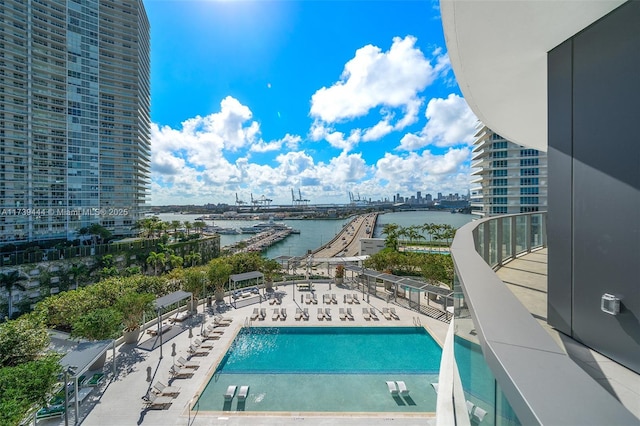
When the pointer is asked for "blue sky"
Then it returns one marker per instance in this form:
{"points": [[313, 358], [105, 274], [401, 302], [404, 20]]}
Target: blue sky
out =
{"points": [[326, 97]]}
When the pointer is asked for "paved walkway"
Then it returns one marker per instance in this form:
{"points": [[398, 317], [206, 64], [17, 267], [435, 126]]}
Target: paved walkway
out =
{"points": [[118, 401], [526, 276]]}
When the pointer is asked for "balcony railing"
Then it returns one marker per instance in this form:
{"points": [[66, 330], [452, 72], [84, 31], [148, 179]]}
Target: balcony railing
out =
{"points": [[508, 369]]}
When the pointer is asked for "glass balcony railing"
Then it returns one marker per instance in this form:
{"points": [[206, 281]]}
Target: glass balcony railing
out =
{"points": [[499, 366]]}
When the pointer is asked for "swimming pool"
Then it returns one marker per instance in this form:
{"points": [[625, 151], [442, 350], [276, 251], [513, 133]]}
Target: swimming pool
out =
{"points": [[326, 369]]}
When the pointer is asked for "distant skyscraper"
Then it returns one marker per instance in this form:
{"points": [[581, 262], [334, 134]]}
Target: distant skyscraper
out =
{"points": [[509, 178], [74, 116]]}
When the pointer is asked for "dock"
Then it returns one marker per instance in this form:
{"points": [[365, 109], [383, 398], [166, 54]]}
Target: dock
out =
{"points": [[263, 240]]}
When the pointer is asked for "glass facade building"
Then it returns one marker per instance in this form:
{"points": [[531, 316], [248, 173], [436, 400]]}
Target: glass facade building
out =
{"points": [[74, 117], [509, 178]]}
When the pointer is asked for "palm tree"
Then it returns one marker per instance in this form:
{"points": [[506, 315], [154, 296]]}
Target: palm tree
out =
{"points": [[199, 226], [193, 258], [391, 230], [187, 226], [156, 259], [175, 224], [78, 271], [8, 281]]}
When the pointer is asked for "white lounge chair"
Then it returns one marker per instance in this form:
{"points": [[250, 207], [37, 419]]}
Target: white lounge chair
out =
{"points": [[326, 299], [393, 313], [188, 364], [307, 300], [305, 314], [386, 314], [180, 373], [201, 344], [230, 393], [342, 314], [263, 313], [478, 414], [164, 390], [320, 314], [158, 402], [283, 314], [196, 351], [298, 314], [435, 386], [348, 298], [255, 314], [211, 335], [393, 390], [327, 313], [334, 299], [366, 314], [314, 299], [373, 314], [402, 388], [276, 314], [350, 314], [355, 299], [242, 394]]}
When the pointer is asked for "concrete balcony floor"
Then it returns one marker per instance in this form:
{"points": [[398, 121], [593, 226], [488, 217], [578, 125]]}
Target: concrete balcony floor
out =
{"points": [[526, 277]]}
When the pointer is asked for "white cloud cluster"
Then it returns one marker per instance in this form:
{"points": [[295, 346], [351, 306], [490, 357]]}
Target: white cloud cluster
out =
{"points": [[450, 122], [389, 81]]}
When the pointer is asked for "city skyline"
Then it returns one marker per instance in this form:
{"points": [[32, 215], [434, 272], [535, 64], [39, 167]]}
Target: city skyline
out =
{"points": [[259, 98]]}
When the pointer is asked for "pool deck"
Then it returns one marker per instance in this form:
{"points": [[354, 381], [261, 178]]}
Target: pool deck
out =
{"points": [[118, 401]]}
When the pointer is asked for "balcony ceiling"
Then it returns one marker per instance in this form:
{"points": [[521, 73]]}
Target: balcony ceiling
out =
{"points": [[498, 50]]}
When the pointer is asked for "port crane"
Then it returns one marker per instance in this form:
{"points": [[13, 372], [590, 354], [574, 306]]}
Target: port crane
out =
{"points": [[260, 202], [239, 202], [298, 201]]}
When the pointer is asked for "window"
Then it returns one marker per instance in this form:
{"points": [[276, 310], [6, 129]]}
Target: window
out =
{"points": [[528, 153], [498, 210], [499, 154], [526, 162], [529, 190], [499, 182], [528, 181], [499, 191], [500, 200], [500, 145], [528, 200], [499, 173], [499, 163], [528, 209], [529, 172]]}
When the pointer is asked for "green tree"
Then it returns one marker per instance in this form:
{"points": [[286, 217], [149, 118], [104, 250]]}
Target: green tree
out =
{"points": [[78, 272], [391, 232], [218, 272], [269, 268], [156, 260], [26, 385], [187, 226], [132, 305], [22, 339], [98, 324], [193, 258]]}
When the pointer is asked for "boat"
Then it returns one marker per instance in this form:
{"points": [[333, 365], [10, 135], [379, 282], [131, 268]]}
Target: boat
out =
{"points": [[265, 226], [220, 230]]}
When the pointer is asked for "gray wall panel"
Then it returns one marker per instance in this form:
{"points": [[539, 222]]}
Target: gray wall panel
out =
{"points": [[605, 185], [559, 191], [606, 233]]}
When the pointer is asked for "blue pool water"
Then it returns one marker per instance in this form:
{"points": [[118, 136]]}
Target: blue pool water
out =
{"points": [[334, 369]]}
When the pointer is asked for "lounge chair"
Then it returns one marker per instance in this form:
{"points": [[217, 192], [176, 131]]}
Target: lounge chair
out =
{"points": [[283, 314], [385, 313], [204, 345], [355, 299], [164, 390], [307, 300], [196, 351], [211, 335], [366, 314], [230, 393], [373, 314], [393, 390], [156, 402], [242, 394], [181, 316], [350, 314], [221, 322], [278, 300], [255, 314], [272, 301], [298, 314], [276, 314], [320, 314], [263, 314], [334, 299], [305, 314], [470, 407], [402, 388], [180, 373], [183, 363], [314, 299], [348, 298], [478, 414], [327, 314], [392, 311], [96, 379], [342, 314], [326, 299]]}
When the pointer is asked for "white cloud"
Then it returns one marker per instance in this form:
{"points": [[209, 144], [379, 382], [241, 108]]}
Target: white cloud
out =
{"points": [[450, 122], [374, 78]]}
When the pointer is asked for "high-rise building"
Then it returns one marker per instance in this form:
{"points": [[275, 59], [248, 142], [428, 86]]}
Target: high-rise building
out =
{"points": [[74, 117], [509, 178]]}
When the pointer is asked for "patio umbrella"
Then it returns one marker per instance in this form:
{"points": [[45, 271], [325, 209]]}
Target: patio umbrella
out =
{"points": [[173, 353], [190, 334]]}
